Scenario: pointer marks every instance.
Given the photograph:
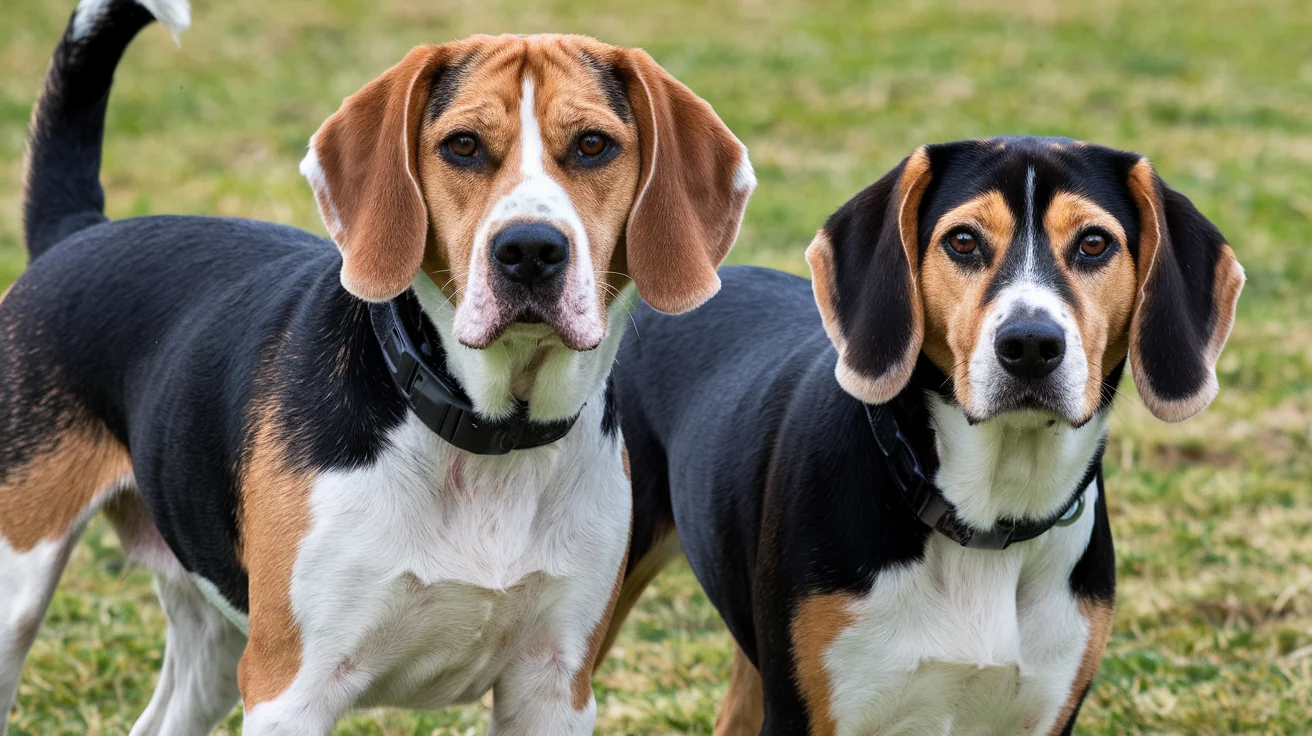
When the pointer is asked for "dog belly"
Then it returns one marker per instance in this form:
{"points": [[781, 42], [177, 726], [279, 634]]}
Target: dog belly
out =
{"points": [[964, 642], [894, 691], [404, 636], [959, 699], [425, 578], [444, 643]]}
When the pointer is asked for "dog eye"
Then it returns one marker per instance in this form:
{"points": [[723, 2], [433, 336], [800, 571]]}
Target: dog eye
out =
{"points": [[462, 146], [1093, 245], [592, 144], [963, 242], [592, 150]]}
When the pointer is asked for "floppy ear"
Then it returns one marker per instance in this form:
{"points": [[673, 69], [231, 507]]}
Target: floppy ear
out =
{"points": [[693, 184], [864, 268], [362, 165], [1189, 284]]}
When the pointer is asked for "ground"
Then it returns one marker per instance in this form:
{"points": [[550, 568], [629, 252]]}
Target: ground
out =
{"points": [[1213, 518]]}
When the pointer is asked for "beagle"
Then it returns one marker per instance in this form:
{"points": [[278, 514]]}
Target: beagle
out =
{"points": [[383, 473], [889, 480]]}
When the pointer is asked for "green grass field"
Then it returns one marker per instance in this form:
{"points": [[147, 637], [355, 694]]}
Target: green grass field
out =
{"points": [[1213, 518]]}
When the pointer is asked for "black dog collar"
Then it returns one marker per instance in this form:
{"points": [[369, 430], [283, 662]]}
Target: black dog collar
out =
{"points": [[436, 398], [935, 511]]}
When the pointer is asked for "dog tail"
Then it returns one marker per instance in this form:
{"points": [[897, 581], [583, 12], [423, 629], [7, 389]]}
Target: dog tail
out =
{"points": [[62, 187]]}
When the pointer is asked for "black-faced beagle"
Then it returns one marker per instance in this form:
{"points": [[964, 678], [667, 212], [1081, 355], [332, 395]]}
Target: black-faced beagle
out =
{"points": [[895, 499], [386, 472]]}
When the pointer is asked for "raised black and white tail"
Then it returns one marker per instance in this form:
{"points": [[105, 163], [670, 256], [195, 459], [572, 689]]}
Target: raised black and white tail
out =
{"points": [[63, 193]]}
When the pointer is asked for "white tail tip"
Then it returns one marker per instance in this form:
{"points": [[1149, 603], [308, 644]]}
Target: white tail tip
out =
{"points": [[176, 14]]}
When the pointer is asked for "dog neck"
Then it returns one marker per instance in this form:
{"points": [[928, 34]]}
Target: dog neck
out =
{"points": [[1021, 465], [528, 363]]}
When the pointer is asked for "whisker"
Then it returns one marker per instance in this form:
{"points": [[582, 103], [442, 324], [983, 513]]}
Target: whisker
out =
{"points": [[953, 371], [1105, 388]]}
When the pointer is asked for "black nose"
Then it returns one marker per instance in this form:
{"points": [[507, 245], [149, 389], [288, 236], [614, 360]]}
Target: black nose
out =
{"points": [[530, 253], [1030, 348]]}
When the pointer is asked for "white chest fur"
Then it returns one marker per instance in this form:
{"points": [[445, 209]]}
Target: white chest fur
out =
{"points": [[424, 574], [964, 641]]}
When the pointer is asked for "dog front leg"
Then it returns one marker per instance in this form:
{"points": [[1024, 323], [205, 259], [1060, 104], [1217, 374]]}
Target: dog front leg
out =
{"points": [[290, 714], [540, 695], [286, 688]]}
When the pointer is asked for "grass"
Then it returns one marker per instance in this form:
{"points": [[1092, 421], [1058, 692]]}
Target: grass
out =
{"points": [[1213, 518]]}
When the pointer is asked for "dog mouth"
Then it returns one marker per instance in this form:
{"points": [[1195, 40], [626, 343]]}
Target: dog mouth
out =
{"points": [[529, 317], [532, 320], [1033, 403], [560, 308]]}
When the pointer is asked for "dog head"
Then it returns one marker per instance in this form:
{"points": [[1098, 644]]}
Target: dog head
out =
{"points": [[1027, 270], [530, 177]]}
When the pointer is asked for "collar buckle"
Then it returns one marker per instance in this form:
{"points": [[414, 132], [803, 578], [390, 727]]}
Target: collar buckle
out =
{"points": [[403, 363], [998, 538]]}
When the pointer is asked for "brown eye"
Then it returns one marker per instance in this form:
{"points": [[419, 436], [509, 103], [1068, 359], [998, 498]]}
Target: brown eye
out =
{"points": [[592, 144], [962, 242], [463, 146], [1093, 245]]}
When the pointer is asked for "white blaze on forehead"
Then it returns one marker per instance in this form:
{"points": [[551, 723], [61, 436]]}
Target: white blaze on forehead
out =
{"points": [[530, 134], [1031, 242]]}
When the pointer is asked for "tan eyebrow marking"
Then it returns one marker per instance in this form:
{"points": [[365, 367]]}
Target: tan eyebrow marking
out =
{"points": [[1103, 298], [1068, 213], [987, 212]]}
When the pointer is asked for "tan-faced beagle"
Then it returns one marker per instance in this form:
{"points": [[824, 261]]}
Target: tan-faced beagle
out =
{"points": [[386, 472], [895, 499]]}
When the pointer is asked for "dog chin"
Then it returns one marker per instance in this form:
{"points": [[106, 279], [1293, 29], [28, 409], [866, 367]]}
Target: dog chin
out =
{"points": [[477, 336], [1024, 412], [530, 324], [581, 339], [576, 332]]}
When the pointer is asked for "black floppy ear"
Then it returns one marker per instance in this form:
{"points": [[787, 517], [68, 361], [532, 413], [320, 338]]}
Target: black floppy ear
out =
{"points": [[1189, 284], [864, 268]]}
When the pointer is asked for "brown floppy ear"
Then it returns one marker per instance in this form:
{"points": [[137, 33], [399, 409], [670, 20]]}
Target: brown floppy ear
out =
{"points": [[865, 264], [362, 165], [1189, 284], [693, 186]]}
